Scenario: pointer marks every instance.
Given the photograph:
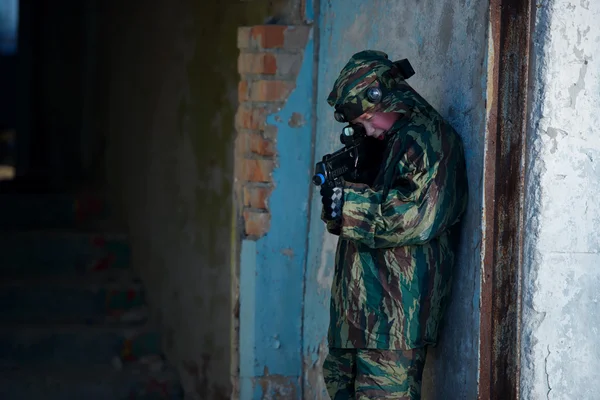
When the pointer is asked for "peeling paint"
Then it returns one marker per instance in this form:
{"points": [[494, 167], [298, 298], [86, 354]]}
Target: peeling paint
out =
{"points": [[314, 385], [553, 134], [560, 357], [275, 387], [296, 120], [272, 267], [579, 85], [326, 264], [288, 252]]}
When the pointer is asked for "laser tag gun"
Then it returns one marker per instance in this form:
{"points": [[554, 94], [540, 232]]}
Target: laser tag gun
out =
{"points": [[350, 163], [359, 159]]}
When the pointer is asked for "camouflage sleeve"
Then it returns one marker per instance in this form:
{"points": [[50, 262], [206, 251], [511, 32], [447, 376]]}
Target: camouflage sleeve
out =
{"points": [[411, 214]]}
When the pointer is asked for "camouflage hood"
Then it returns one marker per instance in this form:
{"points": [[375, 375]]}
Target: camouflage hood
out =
{"points": [[367, 70]]}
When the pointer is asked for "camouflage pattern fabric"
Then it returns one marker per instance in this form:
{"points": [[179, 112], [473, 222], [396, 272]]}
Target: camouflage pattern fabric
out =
{"points": [[395, 252], [368, 69], [374, 374]]}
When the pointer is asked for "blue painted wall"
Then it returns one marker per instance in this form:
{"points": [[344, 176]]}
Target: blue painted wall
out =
{"points": [[272, 268]]}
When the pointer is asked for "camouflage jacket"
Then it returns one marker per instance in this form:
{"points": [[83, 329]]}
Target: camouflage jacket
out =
{"points": [[395, 255]]}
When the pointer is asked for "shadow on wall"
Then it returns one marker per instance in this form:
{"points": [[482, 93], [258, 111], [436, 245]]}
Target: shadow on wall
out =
{"points": [[173, 79], [460, 97]]}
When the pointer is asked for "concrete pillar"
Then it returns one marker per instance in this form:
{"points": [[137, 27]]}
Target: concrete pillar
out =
{"points": [[560, 355]]}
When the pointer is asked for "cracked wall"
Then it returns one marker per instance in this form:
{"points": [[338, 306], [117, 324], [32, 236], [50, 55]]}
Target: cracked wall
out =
{"points": [[560, 355]]}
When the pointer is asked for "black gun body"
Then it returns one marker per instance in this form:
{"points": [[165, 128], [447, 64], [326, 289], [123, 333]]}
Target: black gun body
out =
{"points": [[361, 157], [343, 164]]}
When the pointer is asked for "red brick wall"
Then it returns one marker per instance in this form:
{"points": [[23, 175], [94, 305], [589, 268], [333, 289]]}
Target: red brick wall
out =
{"points": [[269, 62]]}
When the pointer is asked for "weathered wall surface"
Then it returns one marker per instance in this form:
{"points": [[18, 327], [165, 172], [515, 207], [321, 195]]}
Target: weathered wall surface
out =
{"points": [[173, 97], [273, 178], [560, 352], [447, 45]]}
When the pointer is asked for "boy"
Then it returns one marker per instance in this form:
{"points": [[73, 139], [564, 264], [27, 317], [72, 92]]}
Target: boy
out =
{"points": [[397, 235]]}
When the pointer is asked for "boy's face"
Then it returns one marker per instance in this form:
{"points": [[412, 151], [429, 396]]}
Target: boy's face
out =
{"points": [[377, 123]]}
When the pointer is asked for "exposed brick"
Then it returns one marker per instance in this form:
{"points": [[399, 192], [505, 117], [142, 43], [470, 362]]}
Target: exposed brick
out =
{"points": [[256, 223], [287, 65], [257, 196], [270, 132], [273, 37], [271, 90], [255, 143], [257, 170], [274, 51], [268, 36], [251, 117], [257, 63], [243, 91]]}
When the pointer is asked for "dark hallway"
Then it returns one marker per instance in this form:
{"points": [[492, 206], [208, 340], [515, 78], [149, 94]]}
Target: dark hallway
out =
{"points": [[73, 317], [115, 212], [74, 321], [73, 313]]}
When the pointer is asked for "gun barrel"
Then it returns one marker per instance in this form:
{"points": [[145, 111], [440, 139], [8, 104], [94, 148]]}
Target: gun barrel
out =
{"points": [[318, 179]]}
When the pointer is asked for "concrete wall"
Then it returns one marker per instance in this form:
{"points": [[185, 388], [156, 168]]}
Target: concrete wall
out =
{"points": [[560, 352], [447, 45], [172, 98]]}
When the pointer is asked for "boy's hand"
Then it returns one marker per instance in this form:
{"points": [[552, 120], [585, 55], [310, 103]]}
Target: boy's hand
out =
{"points": [[333, 201]]}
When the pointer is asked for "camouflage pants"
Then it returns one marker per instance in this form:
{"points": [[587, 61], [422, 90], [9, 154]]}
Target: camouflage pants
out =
{"points": [[361, 374]]}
